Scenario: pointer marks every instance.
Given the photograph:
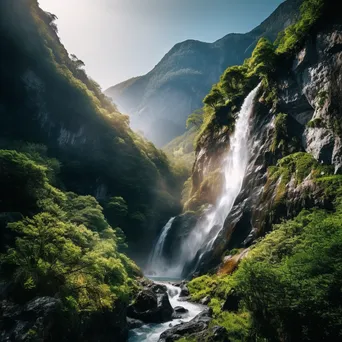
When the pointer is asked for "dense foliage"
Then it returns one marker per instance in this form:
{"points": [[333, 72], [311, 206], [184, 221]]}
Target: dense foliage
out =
{"points": [[56, 243], [288, 286], [58, 105], [292, 37]]}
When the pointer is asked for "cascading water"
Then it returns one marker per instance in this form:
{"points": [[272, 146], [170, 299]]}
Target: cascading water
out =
{"points": [[202, 237], [157, 262], [204, 234], [235, 164]]}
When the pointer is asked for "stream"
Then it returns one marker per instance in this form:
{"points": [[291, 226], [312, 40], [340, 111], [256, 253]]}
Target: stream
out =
{"points": [[204, 234], [152, 332]]}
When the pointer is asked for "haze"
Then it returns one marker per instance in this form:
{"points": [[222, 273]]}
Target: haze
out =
{"points": [[119, 39]]}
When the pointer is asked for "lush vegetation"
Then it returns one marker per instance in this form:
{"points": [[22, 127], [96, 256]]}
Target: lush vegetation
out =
{"points": [[288, 286], [225, 97], [59, 106], [291, 39], [57, 243]]}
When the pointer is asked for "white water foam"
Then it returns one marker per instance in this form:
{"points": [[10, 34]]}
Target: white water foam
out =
{"points": [[204, 234]]}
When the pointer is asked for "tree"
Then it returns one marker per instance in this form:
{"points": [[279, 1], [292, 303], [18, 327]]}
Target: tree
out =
{"points": [[195, 119], [233, 81], [262, 62], [77, 62], [214, 98], [54, 257]]}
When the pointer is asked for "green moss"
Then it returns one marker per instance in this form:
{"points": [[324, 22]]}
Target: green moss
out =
{"points": [[202, 286], [300, 165], [315, 123], [322, 98], [281, 133], [238, 325], [291, 39]]}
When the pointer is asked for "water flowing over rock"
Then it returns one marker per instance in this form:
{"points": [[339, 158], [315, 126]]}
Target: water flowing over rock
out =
{"points": [[203, 235], [182, 312], [151, 306], [156, 262], [197, 325]]}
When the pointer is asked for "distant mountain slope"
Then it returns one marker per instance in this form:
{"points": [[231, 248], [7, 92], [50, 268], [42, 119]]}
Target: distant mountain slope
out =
{"points": [[160, 101]]}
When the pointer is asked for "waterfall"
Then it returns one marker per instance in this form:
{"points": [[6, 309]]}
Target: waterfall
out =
{"points": [[156, 263], [203, 235]]}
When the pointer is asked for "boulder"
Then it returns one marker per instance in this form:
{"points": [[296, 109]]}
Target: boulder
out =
{"points": [[158, 288], [205, 301], [184, 290], [134, 323], [151, 307], [40, 316], [180, 310], [198, 324], [103, 325], [43, 319], [218, 334]]}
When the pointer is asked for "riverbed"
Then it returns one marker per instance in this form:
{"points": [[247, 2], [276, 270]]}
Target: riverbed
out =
{"points": [[152, 332]]}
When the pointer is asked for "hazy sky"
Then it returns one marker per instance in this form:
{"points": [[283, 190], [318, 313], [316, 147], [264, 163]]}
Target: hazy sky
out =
{"points": [[119, 39]]}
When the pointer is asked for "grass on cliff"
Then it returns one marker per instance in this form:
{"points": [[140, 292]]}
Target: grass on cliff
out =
{"points": [[237, 81]]}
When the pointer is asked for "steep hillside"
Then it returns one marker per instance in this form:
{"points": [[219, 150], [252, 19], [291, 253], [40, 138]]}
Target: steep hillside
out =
{"points": [[160, 102], [48, 99], [272, 258]]}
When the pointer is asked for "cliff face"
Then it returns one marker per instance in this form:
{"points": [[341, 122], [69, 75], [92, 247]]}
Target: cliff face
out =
{"points": [[48, 99], [160, 101], [312, 95], [282, 179]]}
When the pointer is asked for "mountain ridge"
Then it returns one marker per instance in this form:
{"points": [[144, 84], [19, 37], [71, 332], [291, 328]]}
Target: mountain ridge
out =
{"points": [[160, 101]]}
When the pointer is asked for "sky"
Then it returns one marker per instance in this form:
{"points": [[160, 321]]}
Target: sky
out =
{"points": [[120, 39]]}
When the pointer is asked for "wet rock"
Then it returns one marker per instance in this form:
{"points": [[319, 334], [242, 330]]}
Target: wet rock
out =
{"points": [[176, 284], [134, 323], [40, 317], [198, 324], [184, 291], [151, 307], [205, 301], [158, 288], [180, 310]]}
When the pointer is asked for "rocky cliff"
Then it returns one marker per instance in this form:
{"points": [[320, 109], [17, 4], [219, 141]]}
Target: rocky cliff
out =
{"points": [[160, 101], [48, 99], [296, 146]]}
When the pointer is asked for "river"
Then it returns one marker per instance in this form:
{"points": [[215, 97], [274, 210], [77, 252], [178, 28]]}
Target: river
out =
{"points": [[152, 332]]}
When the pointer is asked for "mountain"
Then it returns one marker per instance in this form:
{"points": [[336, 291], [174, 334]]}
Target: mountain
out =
{"points": [[261, 229], [49, 102], [160, 101]]}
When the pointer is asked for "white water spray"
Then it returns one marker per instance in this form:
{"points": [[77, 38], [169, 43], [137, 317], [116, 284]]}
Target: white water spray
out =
{"points": [[204, 234], [156, 263]]}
